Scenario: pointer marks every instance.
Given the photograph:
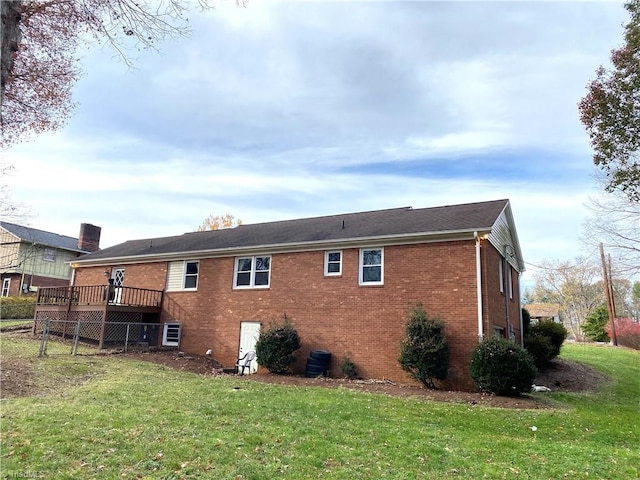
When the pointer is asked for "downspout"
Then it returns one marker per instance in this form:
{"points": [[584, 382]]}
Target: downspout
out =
{"points": [[479, 286], [520, 310]]}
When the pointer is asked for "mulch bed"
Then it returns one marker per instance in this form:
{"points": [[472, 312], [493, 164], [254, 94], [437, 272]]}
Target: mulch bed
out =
{"points": [[563, 375]]}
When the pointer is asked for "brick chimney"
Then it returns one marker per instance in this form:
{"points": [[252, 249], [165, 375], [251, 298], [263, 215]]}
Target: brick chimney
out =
{"points": [[89, 239]]}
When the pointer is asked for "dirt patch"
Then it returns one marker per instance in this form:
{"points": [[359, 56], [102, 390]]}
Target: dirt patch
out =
{"points": [[17, 379]]}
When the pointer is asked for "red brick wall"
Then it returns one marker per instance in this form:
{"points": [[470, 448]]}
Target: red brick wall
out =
{"points": [[333, 313], [144, 275], [494, 301]]}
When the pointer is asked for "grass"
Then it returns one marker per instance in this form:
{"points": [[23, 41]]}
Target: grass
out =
{"points": [[119, 418], [4, 324]]}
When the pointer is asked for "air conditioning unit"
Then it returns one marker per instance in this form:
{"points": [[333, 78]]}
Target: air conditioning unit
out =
{"points": [[171, 334]]}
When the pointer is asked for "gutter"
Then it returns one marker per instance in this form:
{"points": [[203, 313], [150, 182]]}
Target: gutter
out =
{"points": [[479, 285], [385, 240]]}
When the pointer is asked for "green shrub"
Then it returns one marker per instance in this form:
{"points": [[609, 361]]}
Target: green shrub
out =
{"points": [[556, 332], [348, 368], [540, 348], [544, 341], [425, 351], [502, 367], [275, 347], [17, 307], [526, 321], [595, 323]]}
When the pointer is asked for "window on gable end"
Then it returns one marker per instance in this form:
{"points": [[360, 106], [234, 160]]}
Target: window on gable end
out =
{"points": [[501, 274]]}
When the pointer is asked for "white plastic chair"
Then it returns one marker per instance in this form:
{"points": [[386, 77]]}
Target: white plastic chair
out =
{"points": [[245, 361]]}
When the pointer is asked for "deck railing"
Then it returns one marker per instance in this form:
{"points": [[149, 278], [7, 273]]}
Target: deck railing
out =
{"points": [[99, 295]]}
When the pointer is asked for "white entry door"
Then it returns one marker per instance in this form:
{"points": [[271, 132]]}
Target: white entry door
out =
{"points": [[249, 334]]}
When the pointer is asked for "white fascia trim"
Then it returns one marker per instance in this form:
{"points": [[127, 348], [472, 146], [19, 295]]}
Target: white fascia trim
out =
{"points": [[384, 240]]}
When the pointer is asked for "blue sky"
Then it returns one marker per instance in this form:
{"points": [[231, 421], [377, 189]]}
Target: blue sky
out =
{"points": [[294, 109]]}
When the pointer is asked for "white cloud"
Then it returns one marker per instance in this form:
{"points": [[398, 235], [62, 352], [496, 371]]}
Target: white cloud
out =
{"points": [[292, 109]]}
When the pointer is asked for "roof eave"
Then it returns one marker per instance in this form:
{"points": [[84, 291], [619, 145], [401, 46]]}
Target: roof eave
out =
{"points": [[381, 240]]}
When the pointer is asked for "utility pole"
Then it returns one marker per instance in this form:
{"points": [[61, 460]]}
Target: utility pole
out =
{"points": [[613, 304], [608, 294]]}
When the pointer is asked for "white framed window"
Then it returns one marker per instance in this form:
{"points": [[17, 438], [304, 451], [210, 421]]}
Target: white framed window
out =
{"points": [[252, 272], [171, 333], [49, 255], [371, 266], [6, 283], [501, 274], [333, 263], [509, 282], [183, 275]]}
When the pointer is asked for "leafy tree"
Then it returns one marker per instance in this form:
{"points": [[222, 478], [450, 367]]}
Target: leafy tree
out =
{"points": [[595, 323], [425, 350], [275, 347], [610, 112], [39, 41], [218, 222]]}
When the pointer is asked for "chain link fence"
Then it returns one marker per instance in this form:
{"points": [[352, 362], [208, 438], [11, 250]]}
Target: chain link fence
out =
{"points": [[86, 334]]}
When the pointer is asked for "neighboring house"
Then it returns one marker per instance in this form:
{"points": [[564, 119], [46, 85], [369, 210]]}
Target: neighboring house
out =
{"points": [[346, 281], [543, 312], [31, 258]]}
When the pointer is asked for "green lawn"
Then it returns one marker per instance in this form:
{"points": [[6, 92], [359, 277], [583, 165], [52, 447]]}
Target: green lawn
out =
{"points": [[107, 418], [4, 324]]}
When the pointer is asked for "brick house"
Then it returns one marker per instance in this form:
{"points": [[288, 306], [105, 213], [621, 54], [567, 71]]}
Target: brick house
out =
{"points": [[346, 282], [32, 258]]}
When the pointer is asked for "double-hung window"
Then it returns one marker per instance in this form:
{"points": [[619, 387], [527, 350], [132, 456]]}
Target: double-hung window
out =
{"points": [[333, 263], [371, 266], [183, 275], [252, 272]]}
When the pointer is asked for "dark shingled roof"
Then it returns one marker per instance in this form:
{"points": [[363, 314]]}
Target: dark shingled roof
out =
{"points": [[40, 237], [334, 228]]}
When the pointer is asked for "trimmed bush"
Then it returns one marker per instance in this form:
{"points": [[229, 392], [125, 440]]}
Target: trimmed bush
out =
{"points": [[275, 347], [545, 341], [12, 308], [540, 348], [556, 332], [502, 367], [425, 351]]}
